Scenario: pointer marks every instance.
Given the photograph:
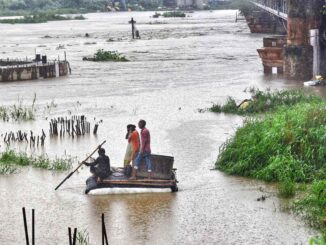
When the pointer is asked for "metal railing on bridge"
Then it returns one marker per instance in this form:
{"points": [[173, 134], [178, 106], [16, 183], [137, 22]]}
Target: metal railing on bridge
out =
{"points": [[278, 8]]}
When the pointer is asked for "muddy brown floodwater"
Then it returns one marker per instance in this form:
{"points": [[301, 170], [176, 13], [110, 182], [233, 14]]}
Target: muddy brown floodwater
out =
{"points": [[178, 66]]}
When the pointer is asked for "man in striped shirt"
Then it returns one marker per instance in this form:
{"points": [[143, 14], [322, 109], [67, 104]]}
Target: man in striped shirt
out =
{"points": [[145, 150]]}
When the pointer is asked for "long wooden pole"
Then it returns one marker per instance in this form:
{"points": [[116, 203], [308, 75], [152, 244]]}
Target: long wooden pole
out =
{"points": [[69, 175]]}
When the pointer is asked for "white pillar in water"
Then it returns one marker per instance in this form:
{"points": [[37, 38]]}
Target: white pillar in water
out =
{"points": [[314, 41], [57, 70]]}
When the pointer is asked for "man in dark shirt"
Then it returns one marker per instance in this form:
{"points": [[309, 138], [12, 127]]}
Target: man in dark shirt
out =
{"points": [[101, 166]]}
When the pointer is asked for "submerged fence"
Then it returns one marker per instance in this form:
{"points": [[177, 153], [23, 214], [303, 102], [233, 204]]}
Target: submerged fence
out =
{"points": [[72, 236]]}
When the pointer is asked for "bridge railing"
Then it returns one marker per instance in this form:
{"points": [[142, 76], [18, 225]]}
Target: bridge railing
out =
{"points": [[276, 7]]}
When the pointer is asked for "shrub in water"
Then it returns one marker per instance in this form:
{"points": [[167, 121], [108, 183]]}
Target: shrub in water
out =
{"points": [[9, 159], [102, 55]]}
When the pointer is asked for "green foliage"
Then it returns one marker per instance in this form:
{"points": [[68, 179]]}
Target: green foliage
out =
{"points": [[9, 159], [318, 240], [286, 188], [40, 18], [313, 205], [265, 101], [7, 169], [102, 55], [229, 107], [288, 143], [174, 14]]}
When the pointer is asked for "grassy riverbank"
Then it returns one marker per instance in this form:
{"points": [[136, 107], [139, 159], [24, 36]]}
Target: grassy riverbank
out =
{"points": [[286, 145]]}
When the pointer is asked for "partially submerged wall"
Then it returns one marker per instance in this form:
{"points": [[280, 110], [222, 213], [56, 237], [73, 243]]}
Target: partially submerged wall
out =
{"points": [[30, 71]]}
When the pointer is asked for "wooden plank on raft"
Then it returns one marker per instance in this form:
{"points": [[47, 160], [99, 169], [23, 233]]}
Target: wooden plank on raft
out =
{"points": [[127, 182], [142, 180]]}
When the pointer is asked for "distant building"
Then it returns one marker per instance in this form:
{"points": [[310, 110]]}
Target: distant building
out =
{"points": [[196, 4], [170, 3]]}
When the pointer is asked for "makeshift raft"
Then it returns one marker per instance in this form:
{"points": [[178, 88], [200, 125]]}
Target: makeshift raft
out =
{"points": [[163, 179]]}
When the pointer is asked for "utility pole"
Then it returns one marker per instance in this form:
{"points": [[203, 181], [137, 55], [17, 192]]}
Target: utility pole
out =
{"points": [[132, 22]]}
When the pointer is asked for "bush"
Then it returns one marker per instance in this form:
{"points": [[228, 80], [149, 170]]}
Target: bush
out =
{"points": [[174, 14], [102, 55]]}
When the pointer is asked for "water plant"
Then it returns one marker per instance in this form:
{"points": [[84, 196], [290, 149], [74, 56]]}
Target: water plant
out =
{"points": [[19, 111], [82, 237], [7, 169], [103, 55], [10, 159], [264, 101]]}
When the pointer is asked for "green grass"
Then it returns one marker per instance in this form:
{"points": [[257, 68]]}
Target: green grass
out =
{"points": [[10, 160], [285, 145], [319, 240], [7, 169], [312, 205], [261, 102], [289, 143], [40, 18], [286, 188], [102, 55]]}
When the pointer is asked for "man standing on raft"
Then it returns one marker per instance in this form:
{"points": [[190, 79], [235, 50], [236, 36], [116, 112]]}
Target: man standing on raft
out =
{"points": [[145, 150]]}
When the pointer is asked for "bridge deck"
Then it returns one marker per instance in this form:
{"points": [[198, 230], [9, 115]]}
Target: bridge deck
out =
{"points": [[277, 8]]}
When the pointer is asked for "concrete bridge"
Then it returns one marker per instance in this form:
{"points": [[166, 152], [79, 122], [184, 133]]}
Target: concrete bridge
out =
{"points": [[299, 49]]}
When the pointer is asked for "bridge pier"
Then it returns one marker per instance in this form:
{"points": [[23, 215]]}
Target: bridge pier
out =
{"points": [[298, 53], [260, 22]]}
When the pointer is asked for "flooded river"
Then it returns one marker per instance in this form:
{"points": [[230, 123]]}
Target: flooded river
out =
{"points": [[178, 66]]}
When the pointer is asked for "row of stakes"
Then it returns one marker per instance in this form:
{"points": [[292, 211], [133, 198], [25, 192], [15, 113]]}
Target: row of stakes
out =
{"points": [[20, 136], [75, 126], [72, 236]]}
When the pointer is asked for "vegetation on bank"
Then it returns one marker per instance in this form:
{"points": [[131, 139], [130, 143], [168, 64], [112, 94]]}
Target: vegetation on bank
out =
{"points": [[40, 18], [264, 101], [286, 145], [103, 55], [11, 160]]}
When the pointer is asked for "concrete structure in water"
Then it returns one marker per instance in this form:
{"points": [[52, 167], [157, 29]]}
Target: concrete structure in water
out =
{"points": [[17, 70], [303, 53]]}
